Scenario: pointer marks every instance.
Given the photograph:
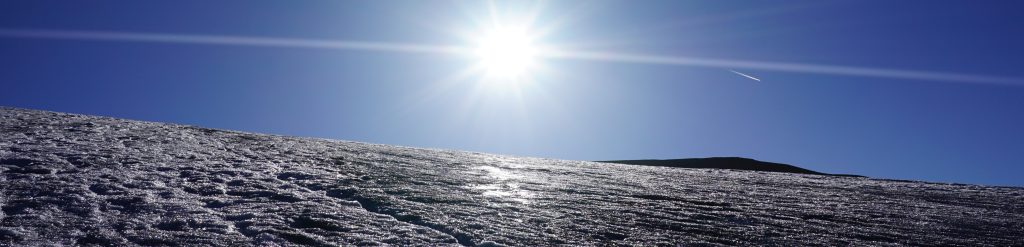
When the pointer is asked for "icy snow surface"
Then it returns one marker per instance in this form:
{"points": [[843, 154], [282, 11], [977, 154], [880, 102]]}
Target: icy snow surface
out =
{"points": [[80, 180]]}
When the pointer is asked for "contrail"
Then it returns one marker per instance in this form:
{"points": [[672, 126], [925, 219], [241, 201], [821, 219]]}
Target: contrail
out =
{"points": [[785, 67], [230, 40], [557, 54], [745, 75]]}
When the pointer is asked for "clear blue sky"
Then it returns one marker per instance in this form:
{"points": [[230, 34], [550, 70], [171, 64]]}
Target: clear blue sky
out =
{"points": [[943, 126]]}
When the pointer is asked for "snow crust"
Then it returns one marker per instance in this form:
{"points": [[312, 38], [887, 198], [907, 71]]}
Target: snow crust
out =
{"points": [[82, 180]]}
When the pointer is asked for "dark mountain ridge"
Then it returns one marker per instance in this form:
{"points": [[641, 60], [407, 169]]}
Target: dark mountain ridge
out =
{"points": [[732, 163]]}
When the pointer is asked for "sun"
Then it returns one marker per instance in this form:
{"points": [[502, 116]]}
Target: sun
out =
{"points": [[506, 52]]}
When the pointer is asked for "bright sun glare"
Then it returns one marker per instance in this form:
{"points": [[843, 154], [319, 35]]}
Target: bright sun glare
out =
{"points": [[506, 52]]}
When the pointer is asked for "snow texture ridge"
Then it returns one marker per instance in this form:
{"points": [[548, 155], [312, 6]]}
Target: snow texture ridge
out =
{"points": [[70, 179]]}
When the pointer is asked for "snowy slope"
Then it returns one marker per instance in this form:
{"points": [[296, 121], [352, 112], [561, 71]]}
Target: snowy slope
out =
{"points": [[78, 180]]}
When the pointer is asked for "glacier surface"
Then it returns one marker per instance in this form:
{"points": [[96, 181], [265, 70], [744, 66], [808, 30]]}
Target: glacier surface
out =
{"points": [[69, 179]]}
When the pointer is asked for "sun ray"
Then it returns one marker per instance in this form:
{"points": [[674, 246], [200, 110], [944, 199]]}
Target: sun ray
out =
{"points": [[541, 54], [232, 40]]}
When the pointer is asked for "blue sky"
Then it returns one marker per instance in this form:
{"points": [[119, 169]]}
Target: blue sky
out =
{"points": [[956, 124]]}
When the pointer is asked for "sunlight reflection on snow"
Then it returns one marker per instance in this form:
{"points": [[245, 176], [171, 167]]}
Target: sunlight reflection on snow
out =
{"points": [[503, 187], [497, 173]]}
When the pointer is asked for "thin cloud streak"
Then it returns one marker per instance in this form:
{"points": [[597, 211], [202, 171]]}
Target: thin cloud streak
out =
{"points": [[745, 75], [557, 54], [230, 40]]}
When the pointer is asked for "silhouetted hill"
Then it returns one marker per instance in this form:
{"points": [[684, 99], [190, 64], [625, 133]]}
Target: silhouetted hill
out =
{"points": [[735, 163]]}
